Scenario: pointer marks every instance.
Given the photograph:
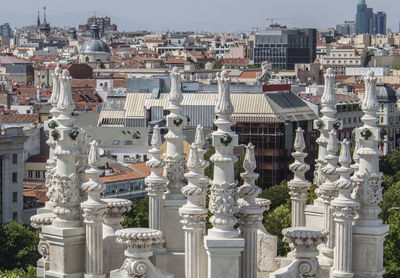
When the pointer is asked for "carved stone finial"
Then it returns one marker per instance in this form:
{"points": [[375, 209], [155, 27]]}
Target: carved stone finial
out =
{"points": [[370, 101], [193, 161], [65, 102], [333, 143], [94, 154], [356, 157], [249, 162], [199, 137], [299, 143], [329, 96], [156, 138], [224, 104], [345, 156], [175, 95]]}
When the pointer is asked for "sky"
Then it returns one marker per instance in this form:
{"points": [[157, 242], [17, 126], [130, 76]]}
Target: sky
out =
{"points": [[199, 15]]}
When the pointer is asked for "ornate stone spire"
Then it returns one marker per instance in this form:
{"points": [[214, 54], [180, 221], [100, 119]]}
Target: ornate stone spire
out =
{"points": [[224, 196], [325, 124], [199, 137], [81, 165], [369, 232], [93, 212], [299, 186], [94, 187], [250, 214], [370, 101], [344, 211], [194, 214], [329, 96], [65, 103], [155, 182], [175, 156]]}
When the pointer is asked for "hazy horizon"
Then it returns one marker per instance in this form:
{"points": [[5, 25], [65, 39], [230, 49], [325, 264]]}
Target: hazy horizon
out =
{"points": [[213, 16]]}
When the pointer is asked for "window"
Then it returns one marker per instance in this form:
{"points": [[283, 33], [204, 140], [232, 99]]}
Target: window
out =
{"points": [[15, 215], [14, 177], [37, 174], [15, 158], [44, 174], [15, 197], [128, 142], [115, 142]]}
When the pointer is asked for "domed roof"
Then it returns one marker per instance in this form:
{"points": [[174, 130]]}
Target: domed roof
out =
{"points": [[385, 93], [95, 44]]}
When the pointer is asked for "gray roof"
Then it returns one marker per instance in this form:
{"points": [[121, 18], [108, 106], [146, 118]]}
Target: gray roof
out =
{"points": [[95, 46]]}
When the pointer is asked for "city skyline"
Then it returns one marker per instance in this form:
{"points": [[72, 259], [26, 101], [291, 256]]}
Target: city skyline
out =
{"points": [[221, 16]]}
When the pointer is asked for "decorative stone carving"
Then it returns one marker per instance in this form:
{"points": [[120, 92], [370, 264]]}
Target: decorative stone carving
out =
{"points": [[137, 263], [303, 243], [113, 215], [299, 186]]}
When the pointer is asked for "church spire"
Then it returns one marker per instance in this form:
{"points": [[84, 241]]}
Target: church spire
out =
{"points": [[38, 18], [95, 29], [44, 15]]}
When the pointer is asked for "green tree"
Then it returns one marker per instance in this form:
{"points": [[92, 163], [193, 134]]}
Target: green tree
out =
{"points": [[277, 194], [391, 247], [277, 220], [218, 64], [30, 272], [18, 246], [138, 216]]}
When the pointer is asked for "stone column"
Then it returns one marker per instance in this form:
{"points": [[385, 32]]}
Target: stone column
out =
{"points": [[344, 210], [137, 263], [155, 182], [93, 211], [369, 233], [303, 243], [356, 165], [325, 124], [328, 193], [223, 243], [250, 214], [299, 186], [66, 235], [113, 252], [50, 125], [194, 215]]}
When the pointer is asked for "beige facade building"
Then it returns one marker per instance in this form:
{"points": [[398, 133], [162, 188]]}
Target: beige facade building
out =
{"points": [[341, 57]]}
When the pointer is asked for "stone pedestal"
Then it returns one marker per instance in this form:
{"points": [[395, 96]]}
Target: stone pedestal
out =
{"points": [[137, 263], [223, 256], [67, 249], [113, 251]]}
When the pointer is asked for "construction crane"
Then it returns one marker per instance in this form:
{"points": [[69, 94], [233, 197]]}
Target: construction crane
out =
{"points": [[279, 18]]}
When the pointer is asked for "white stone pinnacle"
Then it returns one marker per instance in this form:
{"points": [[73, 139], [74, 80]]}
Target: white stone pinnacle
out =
{"points": [[299, 186], [370, 101], [65, 103]]}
